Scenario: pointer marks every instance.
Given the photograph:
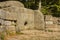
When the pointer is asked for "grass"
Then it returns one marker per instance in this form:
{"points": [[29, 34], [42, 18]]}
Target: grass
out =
{"points": [[18, 32], [50, 31], [2, 36]]}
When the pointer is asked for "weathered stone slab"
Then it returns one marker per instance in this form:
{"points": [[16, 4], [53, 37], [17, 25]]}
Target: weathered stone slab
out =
{"points": [[49, 22], [1, 22], [7, 23], [7, 4], [25, 19], [38, 20], [7, 15]]}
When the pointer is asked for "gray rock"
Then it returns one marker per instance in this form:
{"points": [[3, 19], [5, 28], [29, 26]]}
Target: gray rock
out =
{"points": [[7, 23], [26, 19], [38, 20], [8, 13], [7, 4]]}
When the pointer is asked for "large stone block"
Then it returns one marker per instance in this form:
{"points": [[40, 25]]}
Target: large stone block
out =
{"points": [[1, 22], [7, 22], [25, 19], [10, 4], [38, 20], [8, 13]]}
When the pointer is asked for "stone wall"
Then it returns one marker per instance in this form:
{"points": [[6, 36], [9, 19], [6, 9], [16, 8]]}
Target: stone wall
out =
{"points": [[51, 23]]}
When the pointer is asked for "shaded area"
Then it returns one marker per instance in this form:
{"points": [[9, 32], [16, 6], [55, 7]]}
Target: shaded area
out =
{"points": [[2, 0]]}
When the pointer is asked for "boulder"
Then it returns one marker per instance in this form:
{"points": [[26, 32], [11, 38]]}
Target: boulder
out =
{"points": [[26, 19], [8, 13], [7, 4], [7, 22], [38, 20]]}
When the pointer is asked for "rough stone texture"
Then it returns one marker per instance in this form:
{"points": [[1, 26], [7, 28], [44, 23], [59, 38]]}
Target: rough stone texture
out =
{"points": [[1, 29], [30, 23], [10, 30], [38, 20], [58, 22], [51, 23], [25, 19], [7, 4], [20, 15], [8, 13]]}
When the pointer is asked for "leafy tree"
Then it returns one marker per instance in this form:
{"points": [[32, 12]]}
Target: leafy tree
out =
{"points": [[51, 7], [32, 4]]}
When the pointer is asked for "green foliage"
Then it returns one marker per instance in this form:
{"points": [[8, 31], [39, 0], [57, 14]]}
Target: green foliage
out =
{"points": [[51, 7], [2, 36], [32, 4], [50, 30], [45, 11]]}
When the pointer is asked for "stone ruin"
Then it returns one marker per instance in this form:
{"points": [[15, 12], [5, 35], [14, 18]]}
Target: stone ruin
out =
{"points": [[52, 23], [32, 24], [15, 18]]}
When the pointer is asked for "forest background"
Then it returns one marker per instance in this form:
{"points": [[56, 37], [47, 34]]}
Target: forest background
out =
{"points": [[49, 7]]}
